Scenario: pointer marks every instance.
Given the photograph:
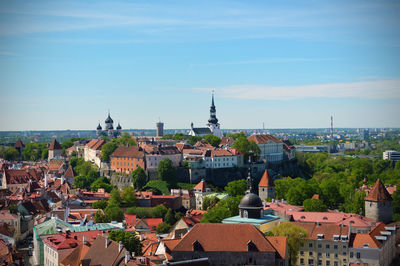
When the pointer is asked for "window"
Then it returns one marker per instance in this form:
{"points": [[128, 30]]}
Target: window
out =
{"points": [[301, 253], [358, 255], [319, 262], [301, 261], [335, 263], [319, 254], [336, 255], [310, 245], [310, 253], [344, 253], [335, 247], [327, 246], [310, 262], [328, 255], [351, 254], [328, 263], [319, 246]]}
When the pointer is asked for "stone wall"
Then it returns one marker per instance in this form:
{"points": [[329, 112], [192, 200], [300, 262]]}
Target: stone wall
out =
{"points": [[120, 180], [379, 211]]}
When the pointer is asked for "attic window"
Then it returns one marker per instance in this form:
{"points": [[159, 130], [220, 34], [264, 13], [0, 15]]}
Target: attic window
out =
{"points": [[320, 236], [352, 222], [197, 246], [251, 246], [303, 217], [366, 245], [325, 218]]}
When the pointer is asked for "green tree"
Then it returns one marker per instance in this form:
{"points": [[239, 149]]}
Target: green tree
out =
{"points": [[210, 201], [114, 213], [169, 217], [139, 178], [101, 218], [236, 188], [163, 228], [100, 204], [248, 148], [129, 197], [130, 241], [101, 182], [193, 139], [296, 236], [126, 140], [396, 203], [212, 140], [232, 204], [167, 172], [13, 209], [45, 154], [215, 215], [11, 154], [115, 197], [107, 149], [330, 193], [314, 205]]}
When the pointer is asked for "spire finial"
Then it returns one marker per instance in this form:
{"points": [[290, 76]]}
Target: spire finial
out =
{"points": [[212, 101]]}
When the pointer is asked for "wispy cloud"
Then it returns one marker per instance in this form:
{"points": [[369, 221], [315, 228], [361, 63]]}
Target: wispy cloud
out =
{"points": [[379, 89], [267, 60], [7, 53]]}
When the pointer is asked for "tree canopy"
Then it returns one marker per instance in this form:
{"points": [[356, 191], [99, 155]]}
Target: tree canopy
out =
{"points": [[248, 148], [236, 188], [139, 178], [130, 241], [314, 205], [212, 140], [167, 172]]}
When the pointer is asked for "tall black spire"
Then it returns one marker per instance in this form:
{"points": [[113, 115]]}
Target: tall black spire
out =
{"points": [[213, 118]]}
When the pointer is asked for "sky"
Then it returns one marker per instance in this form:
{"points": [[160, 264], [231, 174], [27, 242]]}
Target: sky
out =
{"points": [[287, 64]]}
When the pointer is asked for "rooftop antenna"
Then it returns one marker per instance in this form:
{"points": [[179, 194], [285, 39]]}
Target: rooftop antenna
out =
{"points": [[331, 127]]}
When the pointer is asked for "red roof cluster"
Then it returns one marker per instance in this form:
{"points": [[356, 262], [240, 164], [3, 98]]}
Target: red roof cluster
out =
{"points": [[264, 138]]}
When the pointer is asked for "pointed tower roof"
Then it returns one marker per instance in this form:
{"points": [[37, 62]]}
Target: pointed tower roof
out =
{"points": [[19, 144], [70, 173], [99, 127], [378, 193], [266, 180], [54, 145], [119, 126]]}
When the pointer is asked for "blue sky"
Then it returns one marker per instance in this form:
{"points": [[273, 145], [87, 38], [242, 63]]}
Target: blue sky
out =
{"points": [[289, 64]]}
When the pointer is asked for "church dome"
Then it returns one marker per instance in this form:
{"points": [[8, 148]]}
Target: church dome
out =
{"points": [[99, 127], [119, 126], [251, 200], [109, 119]]}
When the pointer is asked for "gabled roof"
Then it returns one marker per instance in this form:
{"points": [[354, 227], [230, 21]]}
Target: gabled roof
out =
{"points": [[264, 138], [266, 180], [201, 130], [95, 144], [70, 173], [128, 151], [328, 230], [235, 238], [358, 240], [99, 254], [54, 145], [279, 243], [378, 193], [75, 257], [202, 186]]}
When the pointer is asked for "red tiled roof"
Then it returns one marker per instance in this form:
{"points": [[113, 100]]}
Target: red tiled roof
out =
{"points": [[378, 193], [235, 238], [128, 151], [70, 173], [279, 243], [264, 138], [20, 176], [130, 219], [334, 218], [202, 185], [54, 145], [95, 144], [316, 196], [328, 230], [266, 180], [61, 241], [153, 222], [358, 240]]}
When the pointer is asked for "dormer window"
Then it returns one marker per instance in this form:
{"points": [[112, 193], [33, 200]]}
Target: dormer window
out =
{"points": [[365, 245], [197, 246], [251, 246], [320, 236], [325, 218]]}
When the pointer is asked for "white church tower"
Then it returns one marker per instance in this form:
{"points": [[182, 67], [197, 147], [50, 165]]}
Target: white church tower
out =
{"points": [[213, 121]]}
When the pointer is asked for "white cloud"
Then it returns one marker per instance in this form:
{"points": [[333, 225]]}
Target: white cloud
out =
{"points": [[378, 89]]}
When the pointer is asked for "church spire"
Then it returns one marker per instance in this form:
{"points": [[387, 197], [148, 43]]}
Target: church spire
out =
{"points": [[213, 117]]}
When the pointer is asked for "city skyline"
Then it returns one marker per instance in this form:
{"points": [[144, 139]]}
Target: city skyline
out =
{"points": [[64, 64]]}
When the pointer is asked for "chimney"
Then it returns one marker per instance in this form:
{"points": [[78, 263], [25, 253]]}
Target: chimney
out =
{"points": [[62, 180], [107, 241], [127, 257], [84, 240], [46, 180], [120, 246]]}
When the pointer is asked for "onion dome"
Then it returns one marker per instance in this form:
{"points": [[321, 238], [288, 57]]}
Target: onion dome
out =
{"points": [[109, 119], [119, 126], [99, 127]]}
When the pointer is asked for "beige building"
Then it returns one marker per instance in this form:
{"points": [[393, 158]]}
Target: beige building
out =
{"points": [[326, 244], [55, 150], [92, 151], [201, 190], [270, 146]]}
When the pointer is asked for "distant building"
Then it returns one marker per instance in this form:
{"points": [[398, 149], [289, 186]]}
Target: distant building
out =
{"points": [[19, 146], [391, 155], [92, 151], [379, 203], [55, 150], [213, 127], [109, 129], [201, 190], [266, 187], [270, 146], [158, 153], [160, 129]]}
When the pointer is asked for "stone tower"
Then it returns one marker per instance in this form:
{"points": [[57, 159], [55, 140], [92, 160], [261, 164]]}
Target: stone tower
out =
{"points": [[55, 150], [160, 129], [379, 204], [266, 187], [213, 121]]}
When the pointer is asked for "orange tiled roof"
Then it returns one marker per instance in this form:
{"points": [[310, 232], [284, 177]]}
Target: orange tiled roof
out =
{"points": [[378, 193], [266, 180], [202, 185], [235, 238], [328, 230], [95, 144], [70, 173], [263, 138], [279, 243], [128, 151]]}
